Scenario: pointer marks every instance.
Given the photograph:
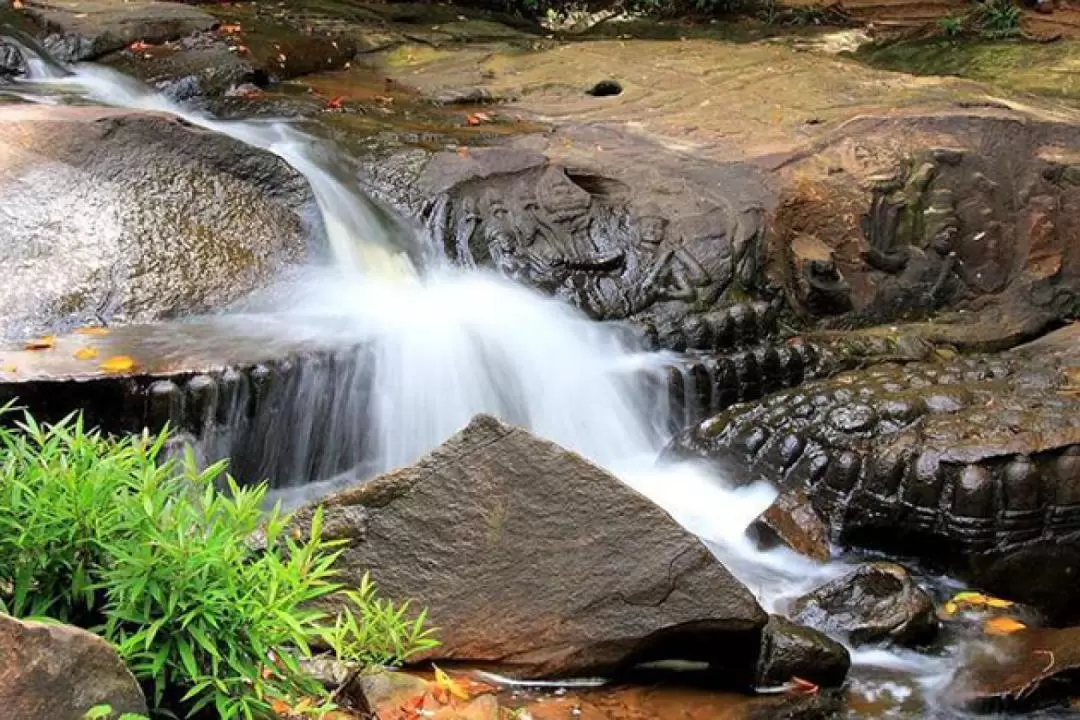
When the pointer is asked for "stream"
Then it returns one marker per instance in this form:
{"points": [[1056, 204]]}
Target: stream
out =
{"points": [[449, 343]]}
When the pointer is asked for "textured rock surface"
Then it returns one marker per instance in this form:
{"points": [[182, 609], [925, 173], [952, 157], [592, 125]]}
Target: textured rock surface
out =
{"points": [[877, 602], [967, 464], [113, 215], [792, 521], [529, 557], [59, 672], [789, 650]]}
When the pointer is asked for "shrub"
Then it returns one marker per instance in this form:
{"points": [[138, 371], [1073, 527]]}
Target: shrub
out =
{"points": [[999, 18], [158, 557]]}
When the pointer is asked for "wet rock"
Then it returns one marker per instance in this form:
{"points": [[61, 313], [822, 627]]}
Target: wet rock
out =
{"points": [[60, 672], [529, 557], [879, 601], [85, 29], [384, 691], [966, 464], [792, 521], [789, 650], [1022, 671], [116, 215], [12, 62]]}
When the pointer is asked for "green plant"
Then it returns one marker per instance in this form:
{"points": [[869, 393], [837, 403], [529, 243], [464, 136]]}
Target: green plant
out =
{"points": [[105, 712], [999, 18], [368, 630], [951, 25], [159, 557]]}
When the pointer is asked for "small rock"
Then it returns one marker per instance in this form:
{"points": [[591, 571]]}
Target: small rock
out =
{"points": [[792, 521], [1022, 671], [789, 650], [384, 691], [59, 672], [879, 601], [605, 88]]}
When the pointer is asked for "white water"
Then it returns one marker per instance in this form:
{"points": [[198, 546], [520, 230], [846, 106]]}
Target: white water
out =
{"points": [[452, 343]]}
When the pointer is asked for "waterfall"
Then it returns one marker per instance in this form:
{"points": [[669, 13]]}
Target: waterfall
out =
{"points": [[447, 343]]}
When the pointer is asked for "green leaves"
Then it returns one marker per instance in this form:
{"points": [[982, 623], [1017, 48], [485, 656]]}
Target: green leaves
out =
{"points": [[158, 557]]}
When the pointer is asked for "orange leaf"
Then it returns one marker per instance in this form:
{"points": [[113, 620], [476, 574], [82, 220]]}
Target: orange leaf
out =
{"points": [[138, 46], [242, 49], [85, 353], [229, 29], [44, 343], [336, 103], [463, 151], [118, 364], [92, 330], [472, 120], [280, 707], [1002, 626], [803, 687], [16, 4]]}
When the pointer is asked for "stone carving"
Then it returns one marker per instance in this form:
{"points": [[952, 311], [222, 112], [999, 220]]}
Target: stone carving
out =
{"points": [[590, 241]]}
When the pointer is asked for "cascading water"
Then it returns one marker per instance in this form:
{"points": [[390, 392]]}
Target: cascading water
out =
{"points": [[448, 343]]}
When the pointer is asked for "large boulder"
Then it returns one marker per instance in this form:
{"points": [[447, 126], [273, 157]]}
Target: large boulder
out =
{"points": [[529, 557], [60, 672], [112, 214]]}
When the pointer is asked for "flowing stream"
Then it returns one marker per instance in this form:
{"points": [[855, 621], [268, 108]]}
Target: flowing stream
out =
{"points": [[449, 343]]}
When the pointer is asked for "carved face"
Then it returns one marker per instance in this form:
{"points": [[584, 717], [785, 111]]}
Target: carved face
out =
{"points": [[561, 197]]}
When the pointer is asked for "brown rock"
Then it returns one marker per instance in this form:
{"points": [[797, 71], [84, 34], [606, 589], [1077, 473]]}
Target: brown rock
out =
{"points": [[1028, 669], [383, 692], [59, 672], [792, 521], [790, 650], [530, 557]]}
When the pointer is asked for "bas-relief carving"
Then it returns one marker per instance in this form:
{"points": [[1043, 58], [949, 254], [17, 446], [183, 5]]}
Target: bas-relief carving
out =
{"points": [[604, 253]]}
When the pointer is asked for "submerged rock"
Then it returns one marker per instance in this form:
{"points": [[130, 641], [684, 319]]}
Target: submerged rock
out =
{"points": [[879, 601], [531, 558], [1028, 669], [116, 215], [789, 650], [59, 672]]}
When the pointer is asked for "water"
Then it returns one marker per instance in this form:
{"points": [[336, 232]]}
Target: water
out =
{"points": [[448, 343]]}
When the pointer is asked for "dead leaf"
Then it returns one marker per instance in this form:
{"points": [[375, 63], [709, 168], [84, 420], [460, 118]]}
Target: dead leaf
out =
{"points": [[472, 120], [138, 46], [1002, 626], [16, 5], [229, 29], [11, 369], [85, 353], [336, 103], [384, 99], [803, 687], [463, 151], [118, 364], [444, 681], [280, 707], [92, 330], [43, 343]]}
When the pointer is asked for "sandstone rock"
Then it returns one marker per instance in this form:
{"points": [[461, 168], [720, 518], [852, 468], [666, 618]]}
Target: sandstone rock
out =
{"points": [[383, 692], [113, 215], [59, 672], [792, 521], [86, 29], [879, 601], [529, 557], [1021, 671], [789, 650]]}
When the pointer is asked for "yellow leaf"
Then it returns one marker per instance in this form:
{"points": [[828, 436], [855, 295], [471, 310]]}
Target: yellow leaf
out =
{"points": [[44, 343], [92, 330], [1002, 626], [8, 369], [969, 598], [950, 608], [86, 353], [447, 683], [118, 364], [998, 602]]}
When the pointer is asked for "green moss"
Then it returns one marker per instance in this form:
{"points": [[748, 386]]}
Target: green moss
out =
{"points": [[1051, 69]]}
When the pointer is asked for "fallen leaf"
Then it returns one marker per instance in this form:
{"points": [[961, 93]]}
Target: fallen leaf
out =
{"points": [[463, 151], [336, 103], [85, 353], [229, 29], [16, 5], [138, 46], [43, 343], [280, 707], [950, 608], [803, 687], [243, 49], [482, 117], [1002, 626], [92, 330], [472, 120], [118, 364], [383, 99], [9, 369], [447, 683]]}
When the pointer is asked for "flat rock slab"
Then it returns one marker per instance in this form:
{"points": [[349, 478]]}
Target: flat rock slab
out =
{"points": [[86, 29], [529, 557], [59, 672]]}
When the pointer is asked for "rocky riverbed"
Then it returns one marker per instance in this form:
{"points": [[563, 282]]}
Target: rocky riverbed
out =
{"points": [[860, 286]]}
